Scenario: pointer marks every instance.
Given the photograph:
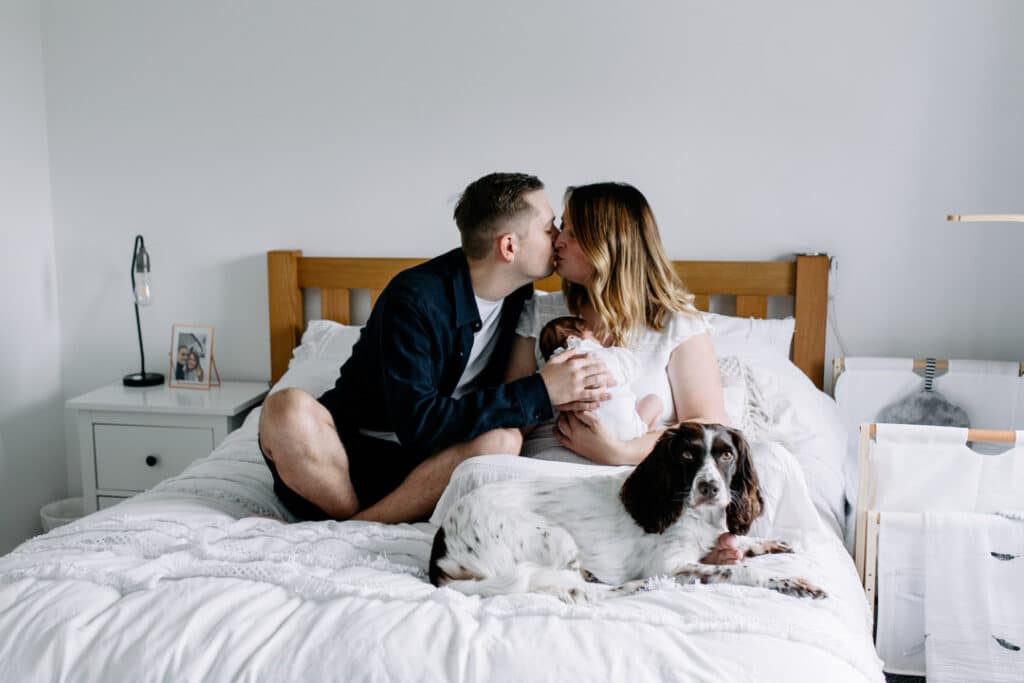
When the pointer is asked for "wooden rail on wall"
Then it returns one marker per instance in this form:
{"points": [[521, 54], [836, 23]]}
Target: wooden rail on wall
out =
{"points": [[751, 282]]}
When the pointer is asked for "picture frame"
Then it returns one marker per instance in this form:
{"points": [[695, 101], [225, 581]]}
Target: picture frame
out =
{"points": [[191, 358]]}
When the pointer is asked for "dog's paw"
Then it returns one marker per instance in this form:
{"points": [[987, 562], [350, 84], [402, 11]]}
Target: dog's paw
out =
{"points": [[770, 547], [575, 596], [572, 596], [797, 588], [631, 588]]}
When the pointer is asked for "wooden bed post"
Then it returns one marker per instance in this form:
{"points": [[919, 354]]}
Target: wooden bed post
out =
{"points": [[285, 299], [810, 306]]}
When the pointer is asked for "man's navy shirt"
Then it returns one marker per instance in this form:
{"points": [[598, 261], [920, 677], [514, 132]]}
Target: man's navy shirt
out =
{"points": [[412, 352]]}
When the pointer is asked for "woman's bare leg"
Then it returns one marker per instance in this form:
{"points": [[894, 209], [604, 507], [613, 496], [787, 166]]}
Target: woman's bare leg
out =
{"points": [[299, 435]]}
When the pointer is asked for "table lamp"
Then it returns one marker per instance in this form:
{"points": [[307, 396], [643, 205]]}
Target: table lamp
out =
{"points": [[142, 295]]}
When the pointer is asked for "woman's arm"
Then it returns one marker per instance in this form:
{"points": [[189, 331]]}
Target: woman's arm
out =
{"points": [[696, 381]]}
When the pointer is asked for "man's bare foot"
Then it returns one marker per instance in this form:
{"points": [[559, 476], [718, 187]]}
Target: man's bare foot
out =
{"points": [[726, 551]]}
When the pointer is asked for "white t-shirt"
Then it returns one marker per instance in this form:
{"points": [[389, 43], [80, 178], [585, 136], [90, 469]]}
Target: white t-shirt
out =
{"points": [[484, 341]]}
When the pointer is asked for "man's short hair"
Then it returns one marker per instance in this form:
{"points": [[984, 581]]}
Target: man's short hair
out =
{"points": [[487, 204]]}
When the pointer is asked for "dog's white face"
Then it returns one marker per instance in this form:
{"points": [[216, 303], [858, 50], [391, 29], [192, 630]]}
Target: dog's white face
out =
{"points": [[714, 451]]}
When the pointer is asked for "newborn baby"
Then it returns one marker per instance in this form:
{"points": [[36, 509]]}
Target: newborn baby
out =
{"points": [[623, 414]]}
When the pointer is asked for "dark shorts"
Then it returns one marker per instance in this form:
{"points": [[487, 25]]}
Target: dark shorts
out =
{"points": [[375, 467]]}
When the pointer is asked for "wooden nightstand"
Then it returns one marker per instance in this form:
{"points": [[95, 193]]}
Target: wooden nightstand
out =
{"points": [[132, 439]]}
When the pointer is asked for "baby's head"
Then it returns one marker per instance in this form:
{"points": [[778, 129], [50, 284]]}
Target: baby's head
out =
{"points": [[557, 332]]}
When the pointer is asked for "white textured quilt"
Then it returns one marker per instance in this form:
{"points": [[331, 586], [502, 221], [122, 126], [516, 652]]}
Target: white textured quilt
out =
{"points": [[199, 579]]}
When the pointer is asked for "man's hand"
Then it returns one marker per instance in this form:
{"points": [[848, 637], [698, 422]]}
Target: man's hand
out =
{"points": [[581, 406], [576, 379]]}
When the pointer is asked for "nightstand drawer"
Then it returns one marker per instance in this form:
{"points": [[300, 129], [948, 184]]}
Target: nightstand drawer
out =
{"points": [[135, 458]]}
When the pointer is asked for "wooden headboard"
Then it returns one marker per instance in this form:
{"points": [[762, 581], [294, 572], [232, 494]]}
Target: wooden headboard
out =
{"points": [[751, 282]]}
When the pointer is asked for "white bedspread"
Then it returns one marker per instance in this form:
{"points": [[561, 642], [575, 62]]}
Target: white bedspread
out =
{"points": [[187, 582]]}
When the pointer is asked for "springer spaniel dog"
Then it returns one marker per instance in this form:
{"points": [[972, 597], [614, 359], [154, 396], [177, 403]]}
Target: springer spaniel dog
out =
{"points": [[585, 538]]}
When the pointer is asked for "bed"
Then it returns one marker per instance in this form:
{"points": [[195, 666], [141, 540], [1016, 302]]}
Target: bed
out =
{"points": [[200, 579]]}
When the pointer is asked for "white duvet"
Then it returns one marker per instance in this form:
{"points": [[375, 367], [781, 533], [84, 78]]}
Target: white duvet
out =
{"points": [[199, 579]]}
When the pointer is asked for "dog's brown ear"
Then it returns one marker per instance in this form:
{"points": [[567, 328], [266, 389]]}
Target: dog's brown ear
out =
{"points": [[745, 491], [650, 494]]}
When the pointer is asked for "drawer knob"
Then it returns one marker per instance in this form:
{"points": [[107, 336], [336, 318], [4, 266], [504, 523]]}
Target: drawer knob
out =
{"points": [[151, 460]]}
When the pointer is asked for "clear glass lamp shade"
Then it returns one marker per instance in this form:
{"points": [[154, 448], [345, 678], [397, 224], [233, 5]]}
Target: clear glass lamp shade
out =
{"points": [[143, 284]]}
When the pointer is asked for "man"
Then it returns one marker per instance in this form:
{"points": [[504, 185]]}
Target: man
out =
{"points": [[422, 392], [179, 365]]}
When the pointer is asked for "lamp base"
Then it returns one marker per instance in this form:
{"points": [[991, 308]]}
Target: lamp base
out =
{"points": [[138, 379]]}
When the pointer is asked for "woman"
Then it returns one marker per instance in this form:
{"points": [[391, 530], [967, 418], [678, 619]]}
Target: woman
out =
{"points": [[193, 370], [617, 277]]}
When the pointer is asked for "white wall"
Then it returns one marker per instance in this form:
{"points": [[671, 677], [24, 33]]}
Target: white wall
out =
{"points": [[220, 130], [32, 469]]}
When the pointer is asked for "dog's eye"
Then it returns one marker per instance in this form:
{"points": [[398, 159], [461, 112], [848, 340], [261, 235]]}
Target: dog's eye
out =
{"points": [[687, 455], [726, 456]]}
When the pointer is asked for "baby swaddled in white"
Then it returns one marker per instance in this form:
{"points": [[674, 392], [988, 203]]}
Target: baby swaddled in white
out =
{"points": [[627, 417]]}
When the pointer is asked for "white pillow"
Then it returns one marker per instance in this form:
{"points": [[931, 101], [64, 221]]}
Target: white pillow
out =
{"points": [[315, 375], [744, 402], [315, 362], [327, 339], [805, 421], [731, 333]]}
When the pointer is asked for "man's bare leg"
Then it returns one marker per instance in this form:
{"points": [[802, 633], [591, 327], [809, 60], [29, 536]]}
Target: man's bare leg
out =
{"points": [[299, 435], [415, 498]]}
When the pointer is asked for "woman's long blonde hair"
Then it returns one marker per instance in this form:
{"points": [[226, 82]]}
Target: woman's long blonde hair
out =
{"points": [[634, 285]]}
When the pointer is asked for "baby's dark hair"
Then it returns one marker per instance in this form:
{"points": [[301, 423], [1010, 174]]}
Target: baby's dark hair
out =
{"points": [[556, 331]]}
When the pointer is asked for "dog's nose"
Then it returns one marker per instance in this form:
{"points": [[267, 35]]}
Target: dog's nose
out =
{"points": [[708, 489]]}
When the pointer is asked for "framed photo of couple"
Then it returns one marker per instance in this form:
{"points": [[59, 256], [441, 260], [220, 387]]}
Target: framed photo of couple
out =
{"points": [[192, 365]]}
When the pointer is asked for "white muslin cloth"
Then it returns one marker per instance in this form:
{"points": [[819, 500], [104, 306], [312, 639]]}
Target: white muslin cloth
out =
{"points": [[899, 632], [916, 469], [974, 598], [992, 393]]}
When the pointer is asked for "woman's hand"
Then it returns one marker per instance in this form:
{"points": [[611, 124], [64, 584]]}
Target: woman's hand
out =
{"points": [[583, 433]]}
